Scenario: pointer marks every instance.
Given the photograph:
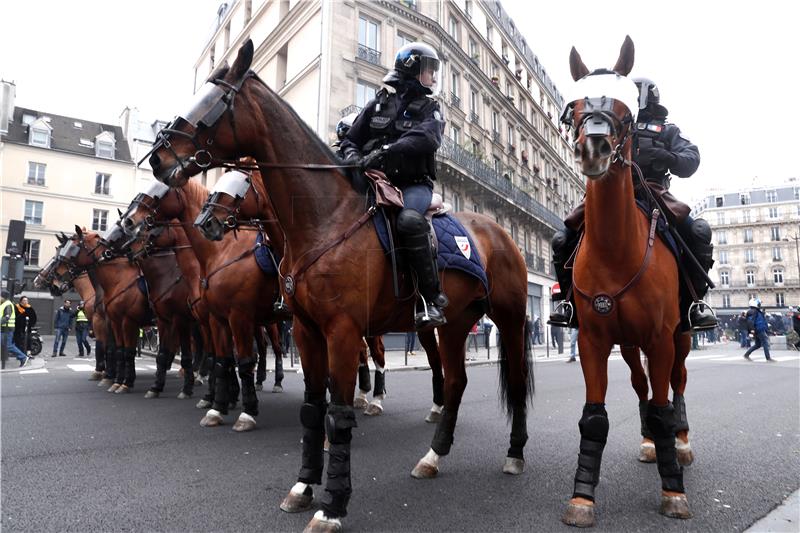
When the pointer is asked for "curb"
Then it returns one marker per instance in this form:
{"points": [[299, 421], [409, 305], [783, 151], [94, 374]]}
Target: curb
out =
{"points": [[33, 364]]}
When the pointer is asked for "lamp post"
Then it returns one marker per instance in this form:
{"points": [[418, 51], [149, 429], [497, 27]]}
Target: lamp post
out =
{"points": [[796, 238]]}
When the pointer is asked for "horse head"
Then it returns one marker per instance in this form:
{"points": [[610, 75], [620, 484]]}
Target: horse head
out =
{"points": [[229, 203], [205, 134], [603, 116], [150, 211]]}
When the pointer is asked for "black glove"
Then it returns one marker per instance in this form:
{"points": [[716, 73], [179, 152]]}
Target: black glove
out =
{"points": [[653, 156], [374, 159], [352, 156]]}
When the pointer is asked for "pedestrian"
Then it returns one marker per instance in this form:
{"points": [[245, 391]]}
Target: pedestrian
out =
{"points": [[537, 330], [796, 325], [285, 329], [61, 325], [26, 319], [557, 338], [573, 345], [411, 342], [487, 331], [7, 326], [758, 323], [82, 331], [472, 338], [743, 329]]}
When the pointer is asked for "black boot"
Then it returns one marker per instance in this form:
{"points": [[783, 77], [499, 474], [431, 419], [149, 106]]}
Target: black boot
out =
{"points": [[701, 315], [415, 239], [563, 244]]}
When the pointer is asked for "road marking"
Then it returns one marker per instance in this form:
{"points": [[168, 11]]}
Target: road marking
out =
{"points": [[35, 371], [81, 368]]}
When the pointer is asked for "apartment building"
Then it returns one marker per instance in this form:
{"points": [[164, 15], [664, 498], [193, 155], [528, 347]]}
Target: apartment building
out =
{"points": [[504, 153], [756, 246]]}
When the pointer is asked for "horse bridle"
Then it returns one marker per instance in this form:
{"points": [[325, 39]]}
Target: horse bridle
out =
{"points": [[599, 120], [232, 219]]}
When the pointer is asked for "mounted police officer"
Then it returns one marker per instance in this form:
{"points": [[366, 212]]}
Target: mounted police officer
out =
{"points": [[342, 127], [662, 150], [399, 132]]}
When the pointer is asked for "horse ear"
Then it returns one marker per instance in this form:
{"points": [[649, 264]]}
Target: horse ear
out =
{"points": [[576, 66], [78, 231], [119, 212], [625, 62], [243, 60]]}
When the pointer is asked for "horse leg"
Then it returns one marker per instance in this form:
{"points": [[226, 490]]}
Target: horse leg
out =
{"points": [[243, 332], [364, 381], [593, 427], [631, 355], [110, 362], [275, 340], [683, 344], [118, 358], [164, 359], [131, 338], [187, 360], [223, 362], [261, 349], [377, 351], [661, 422], [314, 360], [452, 339], [428, 341]]}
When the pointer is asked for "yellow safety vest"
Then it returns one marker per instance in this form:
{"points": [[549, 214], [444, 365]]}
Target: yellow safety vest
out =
{"points": [[81, 317], [12, 320]]}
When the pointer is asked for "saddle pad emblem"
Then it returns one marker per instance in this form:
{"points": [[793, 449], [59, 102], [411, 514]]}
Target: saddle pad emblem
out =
{"points": [[463, 245], [603, 304]]}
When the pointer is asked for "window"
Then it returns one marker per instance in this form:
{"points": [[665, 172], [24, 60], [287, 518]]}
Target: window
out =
{"points": [[748, 235], [744, 198], [453, 28], [722, 237], [746, 215], [776, 253], [775, 233], [104, 148], [497, 164], [772, 196], [777, 275], [248, 10], [33, 211], [457, 204], [773, 212], [750, 277], [796, 193], [724, 278], [455, 134], [726, 300], [723, 257], [40, 137], [99, 220], [476, 208], [495, 121], [514, 233], [489, 33], [403, 39], [36, 173], [721, 217], [780, 299], [368, 33], [474, 101], [749, 255], [102, 183], [364, 93], [455, 83], [719, 201], [511, 137], [472, 48], [468, 7], [30, 251]]}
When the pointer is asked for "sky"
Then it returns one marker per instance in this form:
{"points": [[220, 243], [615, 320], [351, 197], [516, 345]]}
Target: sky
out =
{"points": [[727, 71]]}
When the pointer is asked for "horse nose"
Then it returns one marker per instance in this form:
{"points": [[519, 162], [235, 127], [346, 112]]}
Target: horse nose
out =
{"points": [[127, 225], [155, 161]]}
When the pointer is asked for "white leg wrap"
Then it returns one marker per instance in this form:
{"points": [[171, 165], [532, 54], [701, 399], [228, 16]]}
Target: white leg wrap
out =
{"points": [[437, 409], [361, 395], [320, 515], [214, 412], [432, 458], [299, 487], [246, 417]]}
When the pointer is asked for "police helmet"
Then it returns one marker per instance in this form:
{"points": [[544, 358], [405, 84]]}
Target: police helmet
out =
{"points": [[648, 92], [344, 125], [755, 302], [412, 60]]}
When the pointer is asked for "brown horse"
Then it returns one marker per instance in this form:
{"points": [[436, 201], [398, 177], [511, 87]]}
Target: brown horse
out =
{"points": [[627, 288], [338, 281], [239, 297]]}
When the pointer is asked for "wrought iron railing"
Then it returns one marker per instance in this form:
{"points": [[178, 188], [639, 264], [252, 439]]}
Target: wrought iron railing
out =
{"points": [[455, 101], [368, 54], [474, 118], [352, 108], [496, 136], [536, 263]]}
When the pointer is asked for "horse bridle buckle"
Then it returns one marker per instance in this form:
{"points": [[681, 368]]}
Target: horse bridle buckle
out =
{"points": [[202, 158]]}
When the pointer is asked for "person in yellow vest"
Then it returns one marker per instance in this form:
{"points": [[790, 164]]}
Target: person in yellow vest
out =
{"points": [[7, 324], [82, 331]]}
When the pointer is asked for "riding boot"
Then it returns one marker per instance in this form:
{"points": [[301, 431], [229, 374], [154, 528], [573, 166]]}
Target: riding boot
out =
{"points": [[563, 244], [701, 315], [415, 239]]}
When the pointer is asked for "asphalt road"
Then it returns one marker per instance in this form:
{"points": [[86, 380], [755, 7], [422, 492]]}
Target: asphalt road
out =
{"points": [[75, 458]]}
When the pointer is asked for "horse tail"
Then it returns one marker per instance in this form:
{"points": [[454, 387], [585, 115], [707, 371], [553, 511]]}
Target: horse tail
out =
{"points": [[516, 388]]}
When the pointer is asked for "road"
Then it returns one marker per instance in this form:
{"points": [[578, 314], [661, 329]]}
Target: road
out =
{"points": [[75, 458]]}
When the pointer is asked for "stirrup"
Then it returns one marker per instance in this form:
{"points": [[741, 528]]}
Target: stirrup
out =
{"points": [[280, 307], [701, 327], [569, 314], [426, 321]]}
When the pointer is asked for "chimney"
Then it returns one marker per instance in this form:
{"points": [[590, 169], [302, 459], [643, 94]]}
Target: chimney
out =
{"points": [[8, 93]]}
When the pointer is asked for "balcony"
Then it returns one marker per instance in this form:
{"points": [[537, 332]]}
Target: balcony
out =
{"points": [[493, 180], [496, 136], [536, 263], [455, 101], [368, 54], [787, 284], [410, 4], [474, 118], [352, 108]]}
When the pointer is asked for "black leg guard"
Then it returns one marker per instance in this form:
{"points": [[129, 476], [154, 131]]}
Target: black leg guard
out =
{"points": [[594, 432], [443, 437], [188, 372], [519, 432], [249, 397], [438, 388], [339, 424], [130, 366], [212, 379], [99, 356], [119, 359], [206, 364], [233, 386], [312, 417], [679, 404], [278, 369], [222, 374], [111, 362], [364, 382], [661, 421], [380, 383], [163, 362], [643, 419], [261, 369]]}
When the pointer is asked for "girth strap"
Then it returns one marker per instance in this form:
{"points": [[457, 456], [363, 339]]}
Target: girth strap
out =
{"points": [[204, 281], [117, 295]]}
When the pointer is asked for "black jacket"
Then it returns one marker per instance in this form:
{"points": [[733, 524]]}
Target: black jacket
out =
{"points": [[660, 134]]}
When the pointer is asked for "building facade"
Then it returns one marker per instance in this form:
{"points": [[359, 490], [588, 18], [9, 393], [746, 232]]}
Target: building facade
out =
{"points": [[56, 172], [756, 247], [504, 153]]}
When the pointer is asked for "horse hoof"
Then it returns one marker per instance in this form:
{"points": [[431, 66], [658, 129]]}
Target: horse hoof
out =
{"points": [[245, 422], [114, 387], [647, 452], [95, 376], [297, 503], [259, 386], [184, 396], [277, 389], [105, 382], [212, 419], [676, 506], [579, 515], [151, 394], [203, 404], [360, 403], [373, 409], [424, 471], [685, 455], [514, 466], [321, 524], [123, 389], [433, 417]]}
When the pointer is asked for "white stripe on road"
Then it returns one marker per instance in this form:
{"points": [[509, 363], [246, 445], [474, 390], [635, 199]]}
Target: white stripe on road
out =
{"points": [[35, 371], [81, 368]]}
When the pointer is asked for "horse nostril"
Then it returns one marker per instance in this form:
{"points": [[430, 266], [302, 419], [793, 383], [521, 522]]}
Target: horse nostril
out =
{"points": [[605, 148], [155, 161]]}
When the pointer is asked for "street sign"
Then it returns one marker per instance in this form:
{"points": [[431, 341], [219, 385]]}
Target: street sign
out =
{"points": [[15, 241], [16, 266]]}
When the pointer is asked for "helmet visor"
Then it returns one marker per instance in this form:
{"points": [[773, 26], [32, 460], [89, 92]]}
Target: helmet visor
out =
{"points": [[429, 74]]}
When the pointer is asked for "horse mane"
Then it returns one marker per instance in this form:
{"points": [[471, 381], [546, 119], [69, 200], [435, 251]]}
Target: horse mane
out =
{"points": [[196, 192]]}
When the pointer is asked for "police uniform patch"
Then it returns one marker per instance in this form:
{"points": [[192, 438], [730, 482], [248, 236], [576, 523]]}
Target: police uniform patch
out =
{"points": [[437, 115]]}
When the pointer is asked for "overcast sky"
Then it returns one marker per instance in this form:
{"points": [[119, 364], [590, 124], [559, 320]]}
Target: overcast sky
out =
{"points": [[727, 70]]}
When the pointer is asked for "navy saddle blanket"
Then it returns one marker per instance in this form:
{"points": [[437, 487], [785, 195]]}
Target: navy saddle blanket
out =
{"points": [[142, 284], [453, 238], [264, 257], [661, 228]]}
